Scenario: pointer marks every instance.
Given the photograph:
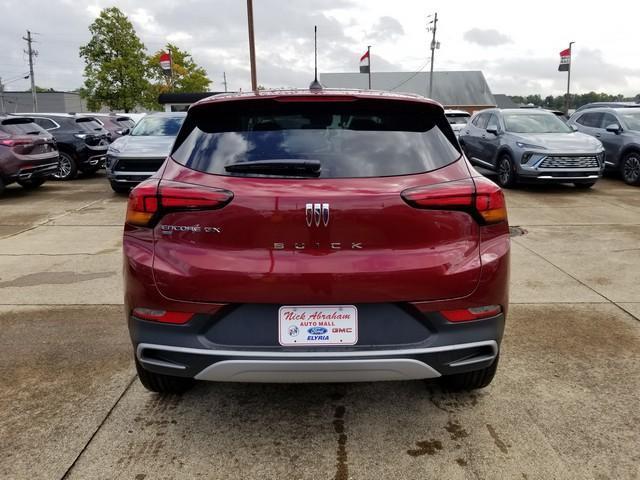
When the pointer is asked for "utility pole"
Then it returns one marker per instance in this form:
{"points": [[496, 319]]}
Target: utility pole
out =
{"points": [[224, 81], [1, 96], [369, 57], [433, 51], [252, 46], [32, 53], [567, 100]]}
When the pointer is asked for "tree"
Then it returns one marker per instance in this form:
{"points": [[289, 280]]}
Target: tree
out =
{"points": [[115, 63], [186, 75]]}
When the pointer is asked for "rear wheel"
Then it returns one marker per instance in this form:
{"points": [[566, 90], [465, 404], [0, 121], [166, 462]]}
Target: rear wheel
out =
{"points": [[119, 188], [471, 380], [156, 382], [67, 168], [630, 168], [584, 185], [1, 186], [507, 177], [32, 183]]}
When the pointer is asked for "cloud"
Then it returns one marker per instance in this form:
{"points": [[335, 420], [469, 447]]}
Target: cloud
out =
{"points": [[387, 29], [486, 38]]}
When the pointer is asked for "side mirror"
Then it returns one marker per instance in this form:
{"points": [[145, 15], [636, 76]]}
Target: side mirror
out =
{"points": [[574, 128], [492, 129], [614, 128]]}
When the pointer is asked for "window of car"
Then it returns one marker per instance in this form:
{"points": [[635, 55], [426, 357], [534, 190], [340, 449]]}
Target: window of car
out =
{"points": [[457, 118], [631, 119], [481, 120], [20, 126], [493, 121], [45, 123], [591, 119], [529, 122], [162, 126], [608, 119], [88, 124], [364, 138]]}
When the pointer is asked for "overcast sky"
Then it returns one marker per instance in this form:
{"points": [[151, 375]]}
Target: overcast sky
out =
{"points": [[516, 48]]}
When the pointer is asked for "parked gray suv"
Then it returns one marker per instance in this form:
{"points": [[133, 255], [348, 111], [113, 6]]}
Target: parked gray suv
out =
{"points": [[524, 145], [619, 131]]}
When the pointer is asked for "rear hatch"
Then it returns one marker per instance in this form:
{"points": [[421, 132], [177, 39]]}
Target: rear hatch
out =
{"points": [[27, 140], [314, 212]]}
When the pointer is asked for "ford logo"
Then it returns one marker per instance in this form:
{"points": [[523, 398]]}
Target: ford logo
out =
{"points": [[317, 331]]}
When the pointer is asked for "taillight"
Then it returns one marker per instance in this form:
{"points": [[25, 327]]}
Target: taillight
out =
{"points": [[482, 198], [490, 202], [12, 143], [474, 313], [163, 316], [148, 201]]}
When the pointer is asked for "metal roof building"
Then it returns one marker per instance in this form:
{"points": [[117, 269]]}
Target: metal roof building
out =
{"points": [[462, 90], [63, 102]]}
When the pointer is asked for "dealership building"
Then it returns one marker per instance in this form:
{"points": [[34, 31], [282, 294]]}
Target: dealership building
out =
{"points": [[460, 90], [62, 102]]}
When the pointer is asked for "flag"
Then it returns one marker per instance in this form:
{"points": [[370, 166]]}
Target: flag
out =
{"points": [[165, 62], [365, 63], [565, 60]]}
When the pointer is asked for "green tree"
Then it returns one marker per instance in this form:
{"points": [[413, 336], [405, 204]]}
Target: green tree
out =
{"points": [[115, 63], [186, 75]]}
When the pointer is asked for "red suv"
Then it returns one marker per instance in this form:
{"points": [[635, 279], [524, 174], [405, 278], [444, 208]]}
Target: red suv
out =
{"points": [[316, 236]]}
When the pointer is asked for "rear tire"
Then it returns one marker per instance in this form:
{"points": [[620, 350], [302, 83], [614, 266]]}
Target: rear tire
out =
{"points": [[584, 185], [156, 382], [507, 176], [630, 168], [67, 168], [31, 184], [1, 187], [119, 188], [470, 380]]}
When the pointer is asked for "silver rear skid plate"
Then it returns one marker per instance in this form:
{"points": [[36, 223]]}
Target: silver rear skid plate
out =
{"points": [[315, 367]]}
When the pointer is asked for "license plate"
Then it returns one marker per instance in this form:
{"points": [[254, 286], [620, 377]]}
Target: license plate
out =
{"points": [[318, 325]]}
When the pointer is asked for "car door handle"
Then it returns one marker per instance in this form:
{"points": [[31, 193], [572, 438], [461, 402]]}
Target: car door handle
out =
{"points": [[598, 135], [484, 136]]}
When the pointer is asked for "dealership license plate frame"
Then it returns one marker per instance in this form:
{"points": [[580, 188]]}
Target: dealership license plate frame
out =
{"points": [[288, 336]]}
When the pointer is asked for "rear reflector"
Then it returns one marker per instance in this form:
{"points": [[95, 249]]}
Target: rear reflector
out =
{"points": [[474, 313], [13, 143], [162, 316], [147, 202], [480, 197]]}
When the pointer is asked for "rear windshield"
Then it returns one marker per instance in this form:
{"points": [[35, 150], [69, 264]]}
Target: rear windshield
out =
{"points": [[458, 118], [20, 127], [88, 125], [162, 126], [348, 139]]}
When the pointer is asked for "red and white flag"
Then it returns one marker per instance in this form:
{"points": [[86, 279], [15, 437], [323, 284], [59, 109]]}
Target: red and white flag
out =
{"points": [[365, 63], [165, 61], [565, 60]]}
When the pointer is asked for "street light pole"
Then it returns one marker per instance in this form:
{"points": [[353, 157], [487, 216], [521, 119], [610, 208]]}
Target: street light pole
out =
{"points": [[252, 46]]}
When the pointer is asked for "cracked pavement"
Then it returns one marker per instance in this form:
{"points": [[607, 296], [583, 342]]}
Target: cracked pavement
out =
{"points": [[564, 404]]}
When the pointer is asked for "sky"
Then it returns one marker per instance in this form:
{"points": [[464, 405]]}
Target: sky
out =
{"points": [[516, 48]]}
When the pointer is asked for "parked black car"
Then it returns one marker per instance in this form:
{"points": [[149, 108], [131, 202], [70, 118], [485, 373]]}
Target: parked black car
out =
{"points": [[116, 124], [28, 153], [81, 140]]}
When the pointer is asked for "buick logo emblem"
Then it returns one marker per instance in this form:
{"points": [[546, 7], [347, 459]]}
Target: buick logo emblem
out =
{"points": [[317, 213]]}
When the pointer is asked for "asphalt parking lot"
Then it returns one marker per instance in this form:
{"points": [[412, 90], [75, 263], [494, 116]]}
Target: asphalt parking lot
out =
{"points": [[565, 403]]}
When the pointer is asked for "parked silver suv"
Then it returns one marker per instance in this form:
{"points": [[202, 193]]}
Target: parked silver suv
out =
{"points": [[531, 145], [619, 131]]}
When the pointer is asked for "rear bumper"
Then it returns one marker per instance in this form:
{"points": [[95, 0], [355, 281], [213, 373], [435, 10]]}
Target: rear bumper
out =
{"points": [[447, 350], [43, 170]]}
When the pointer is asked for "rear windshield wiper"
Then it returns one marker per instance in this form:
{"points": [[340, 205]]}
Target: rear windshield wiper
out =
{"points": [[282, 167]]}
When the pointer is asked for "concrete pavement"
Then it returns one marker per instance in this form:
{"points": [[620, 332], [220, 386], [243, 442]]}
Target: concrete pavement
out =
{"points": [[564, 403]]}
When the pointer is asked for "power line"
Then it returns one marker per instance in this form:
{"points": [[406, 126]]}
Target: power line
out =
{"points": [[412, 76]]}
